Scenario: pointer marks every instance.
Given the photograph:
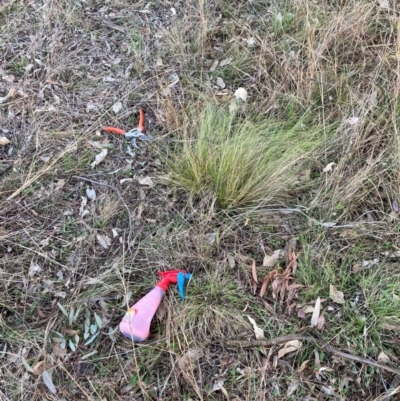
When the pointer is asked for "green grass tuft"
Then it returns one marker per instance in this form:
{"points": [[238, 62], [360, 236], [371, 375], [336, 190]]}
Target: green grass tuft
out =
{"points": [[243, 161]]}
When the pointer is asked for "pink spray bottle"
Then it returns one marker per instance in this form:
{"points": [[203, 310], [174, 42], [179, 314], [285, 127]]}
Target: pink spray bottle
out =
{"points": [[136, 323]]}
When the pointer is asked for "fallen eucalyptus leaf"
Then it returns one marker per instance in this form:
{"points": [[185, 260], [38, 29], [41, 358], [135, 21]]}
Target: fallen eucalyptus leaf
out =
{"points": [[211, 237], [166, 91], [98, 321], [214, 65], [91, 339], [89, 354], [91, 193], [116, 108], [125, 180], [272, 260], [321, 322], [257, 331], [308, 309], [60, 183], [335, 295], [38, 368], [289, 347], [104, 241], [63, 310], [45, 159], [328, 168], [99, 158], [95, 144], [225, 62], [383, 358], [26, 365], [9, 78], [219, 385], [72, 345], [303, 365], [292, 388], [33, 269], [328, 224], [188, 360], [384, 4], [146, 181], [91, 106], [10, 93], [48, 381], [352, 120], [220, 82], [82, 211], [316, 312], [4, 141]]}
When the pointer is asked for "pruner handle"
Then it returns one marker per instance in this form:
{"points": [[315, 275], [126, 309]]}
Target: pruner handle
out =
{"points": [[115, 130], [141, 126]]}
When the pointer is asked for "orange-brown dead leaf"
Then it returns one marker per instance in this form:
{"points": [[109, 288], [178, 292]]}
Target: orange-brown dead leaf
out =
{"points": [[292, 292], [40, 313], [266, 281], [38, 369], [254, 274], [70, 332], [294, 287], [321, 322], [276, 286], [281, 282], [291, 246], [59, 352], [303, 366], [282, 294], [293, 262], [268, 306]]}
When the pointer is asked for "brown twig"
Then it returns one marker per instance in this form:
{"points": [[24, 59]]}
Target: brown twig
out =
{"points": [[77, 177], [290, 337], [267, 343]]}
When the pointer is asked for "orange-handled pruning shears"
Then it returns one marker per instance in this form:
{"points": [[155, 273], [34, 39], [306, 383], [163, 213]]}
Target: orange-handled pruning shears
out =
{"points": [[137, 133]]}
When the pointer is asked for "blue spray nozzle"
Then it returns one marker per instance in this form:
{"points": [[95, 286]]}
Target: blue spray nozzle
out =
{"points": [[181, 278]]}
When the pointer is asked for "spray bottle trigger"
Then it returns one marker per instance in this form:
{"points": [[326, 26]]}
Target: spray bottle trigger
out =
{"points": [[181, 278]]}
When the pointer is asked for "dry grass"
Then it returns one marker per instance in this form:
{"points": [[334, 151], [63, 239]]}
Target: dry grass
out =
{"points": [[69, 63]]}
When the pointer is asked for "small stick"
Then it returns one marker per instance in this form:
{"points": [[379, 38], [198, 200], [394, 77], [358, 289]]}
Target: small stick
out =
{"points": [[267, 343], [326, 347], [77, 177]]}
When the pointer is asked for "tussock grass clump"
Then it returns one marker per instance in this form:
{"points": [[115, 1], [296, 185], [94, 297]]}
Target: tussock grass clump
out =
{"points": [[242, 161]]}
